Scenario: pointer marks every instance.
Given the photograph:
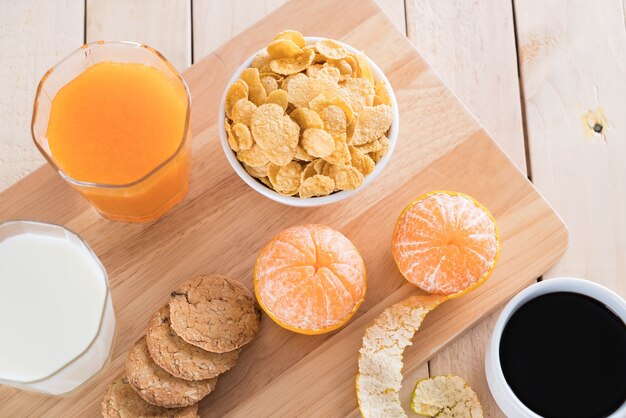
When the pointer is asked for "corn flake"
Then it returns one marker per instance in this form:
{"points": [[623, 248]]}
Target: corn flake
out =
{"points": [[316, 185], [324, 72], [307, 118], [231, 138], [242, 136], [302, 89], [372, 146], [254, 157], [265, 123], [261, 60], [237, 91], [317, 142], [271, 74], [283, 48], [286, 178], [331, 49], [341, 154], [297, 87], [266, 181], [345, 69], [371, 124], [242, 111], [382, 93], [294, 36], [292, 65], [358, 92], [325, 87], [361, 162], [334, 120], [319, 165], [363, 68], [257, 172], [278, 97], [346, 177], [308, 171], [347, 109], [318, 103], [302, 155], [385, 144], [257, 93], [269, 83], [275, 133]]}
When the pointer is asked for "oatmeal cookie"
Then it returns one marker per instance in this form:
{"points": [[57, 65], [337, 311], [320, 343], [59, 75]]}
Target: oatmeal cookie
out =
{"points": [[215, 313]]}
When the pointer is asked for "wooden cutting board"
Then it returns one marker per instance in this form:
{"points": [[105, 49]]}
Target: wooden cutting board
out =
{"points": [[222, 225]]}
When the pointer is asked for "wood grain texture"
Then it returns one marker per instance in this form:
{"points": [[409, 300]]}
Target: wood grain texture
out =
{"points": [[223, 224], [573, 61], [395, 11], [472, 47], [215, 22], [28, 50], [165, 25]]}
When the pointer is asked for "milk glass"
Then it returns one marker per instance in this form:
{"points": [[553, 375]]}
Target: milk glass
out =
{"points": [[59, 323]]}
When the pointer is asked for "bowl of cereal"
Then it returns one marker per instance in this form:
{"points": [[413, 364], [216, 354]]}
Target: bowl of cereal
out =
{"points": [[308, 121]]}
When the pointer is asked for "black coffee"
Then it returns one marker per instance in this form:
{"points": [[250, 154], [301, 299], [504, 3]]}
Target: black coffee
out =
{"points": [[564, 355]]}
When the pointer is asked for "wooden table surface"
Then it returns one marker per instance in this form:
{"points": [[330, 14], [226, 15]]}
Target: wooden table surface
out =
{"points": [[546, 79]]}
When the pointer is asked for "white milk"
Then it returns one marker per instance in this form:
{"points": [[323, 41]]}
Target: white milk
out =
{"points": [[57, 319]]}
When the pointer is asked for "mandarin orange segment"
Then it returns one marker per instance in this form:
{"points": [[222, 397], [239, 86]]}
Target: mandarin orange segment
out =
{"points": [[445, 242], [310, 279]]}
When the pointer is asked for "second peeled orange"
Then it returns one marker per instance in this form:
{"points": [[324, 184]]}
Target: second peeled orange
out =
{"points": [[446, 243]]}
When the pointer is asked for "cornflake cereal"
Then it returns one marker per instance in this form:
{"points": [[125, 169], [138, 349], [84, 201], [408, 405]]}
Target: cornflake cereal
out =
{"points": [[308, 120]]}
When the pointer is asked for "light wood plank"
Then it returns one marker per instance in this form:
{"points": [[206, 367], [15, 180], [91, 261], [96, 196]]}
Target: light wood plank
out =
{"points": [[283, 373], [34, 36], [216, 21], [472, 46], [396, 12], [163, 24], [573, 64]]}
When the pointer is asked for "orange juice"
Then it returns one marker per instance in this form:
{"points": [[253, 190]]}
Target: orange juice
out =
{"points": [[117, 130]]}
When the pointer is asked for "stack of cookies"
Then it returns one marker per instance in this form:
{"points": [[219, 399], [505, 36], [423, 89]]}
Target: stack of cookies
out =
{"points": [[190, 341]]}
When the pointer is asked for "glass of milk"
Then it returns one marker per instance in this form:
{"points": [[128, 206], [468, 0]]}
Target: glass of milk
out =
{"points": [[57, 317]]}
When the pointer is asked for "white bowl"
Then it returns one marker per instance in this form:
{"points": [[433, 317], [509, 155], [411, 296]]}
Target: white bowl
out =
{"points": [[501, 391], [312, 201]]}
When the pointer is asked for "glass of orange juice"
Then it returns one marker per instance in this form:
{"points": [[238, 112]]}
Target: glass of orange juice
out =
{"points": [[113, 119]]}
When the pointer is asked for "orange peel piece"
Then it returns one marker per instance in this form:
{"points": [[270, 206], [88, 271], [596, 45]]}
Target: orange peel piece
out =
{"points": [[379, 380], [445, 397]]}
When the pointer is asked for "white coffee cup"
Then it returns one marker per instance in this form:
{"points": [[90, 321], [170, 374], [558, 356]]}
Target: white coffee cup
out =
{"points": [[501, 391]]}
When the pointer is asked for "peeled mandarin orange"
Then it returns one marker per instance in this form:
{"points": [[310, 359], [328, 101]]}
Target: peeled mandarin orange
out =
{"points": [[446, 243], [310, 279]]}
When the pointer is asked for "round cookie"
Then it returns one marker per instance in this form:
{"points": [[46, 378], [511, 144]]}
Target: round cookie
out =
{"points": [[215, 313], [121, 401], [180, 358], [157, 386]]}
